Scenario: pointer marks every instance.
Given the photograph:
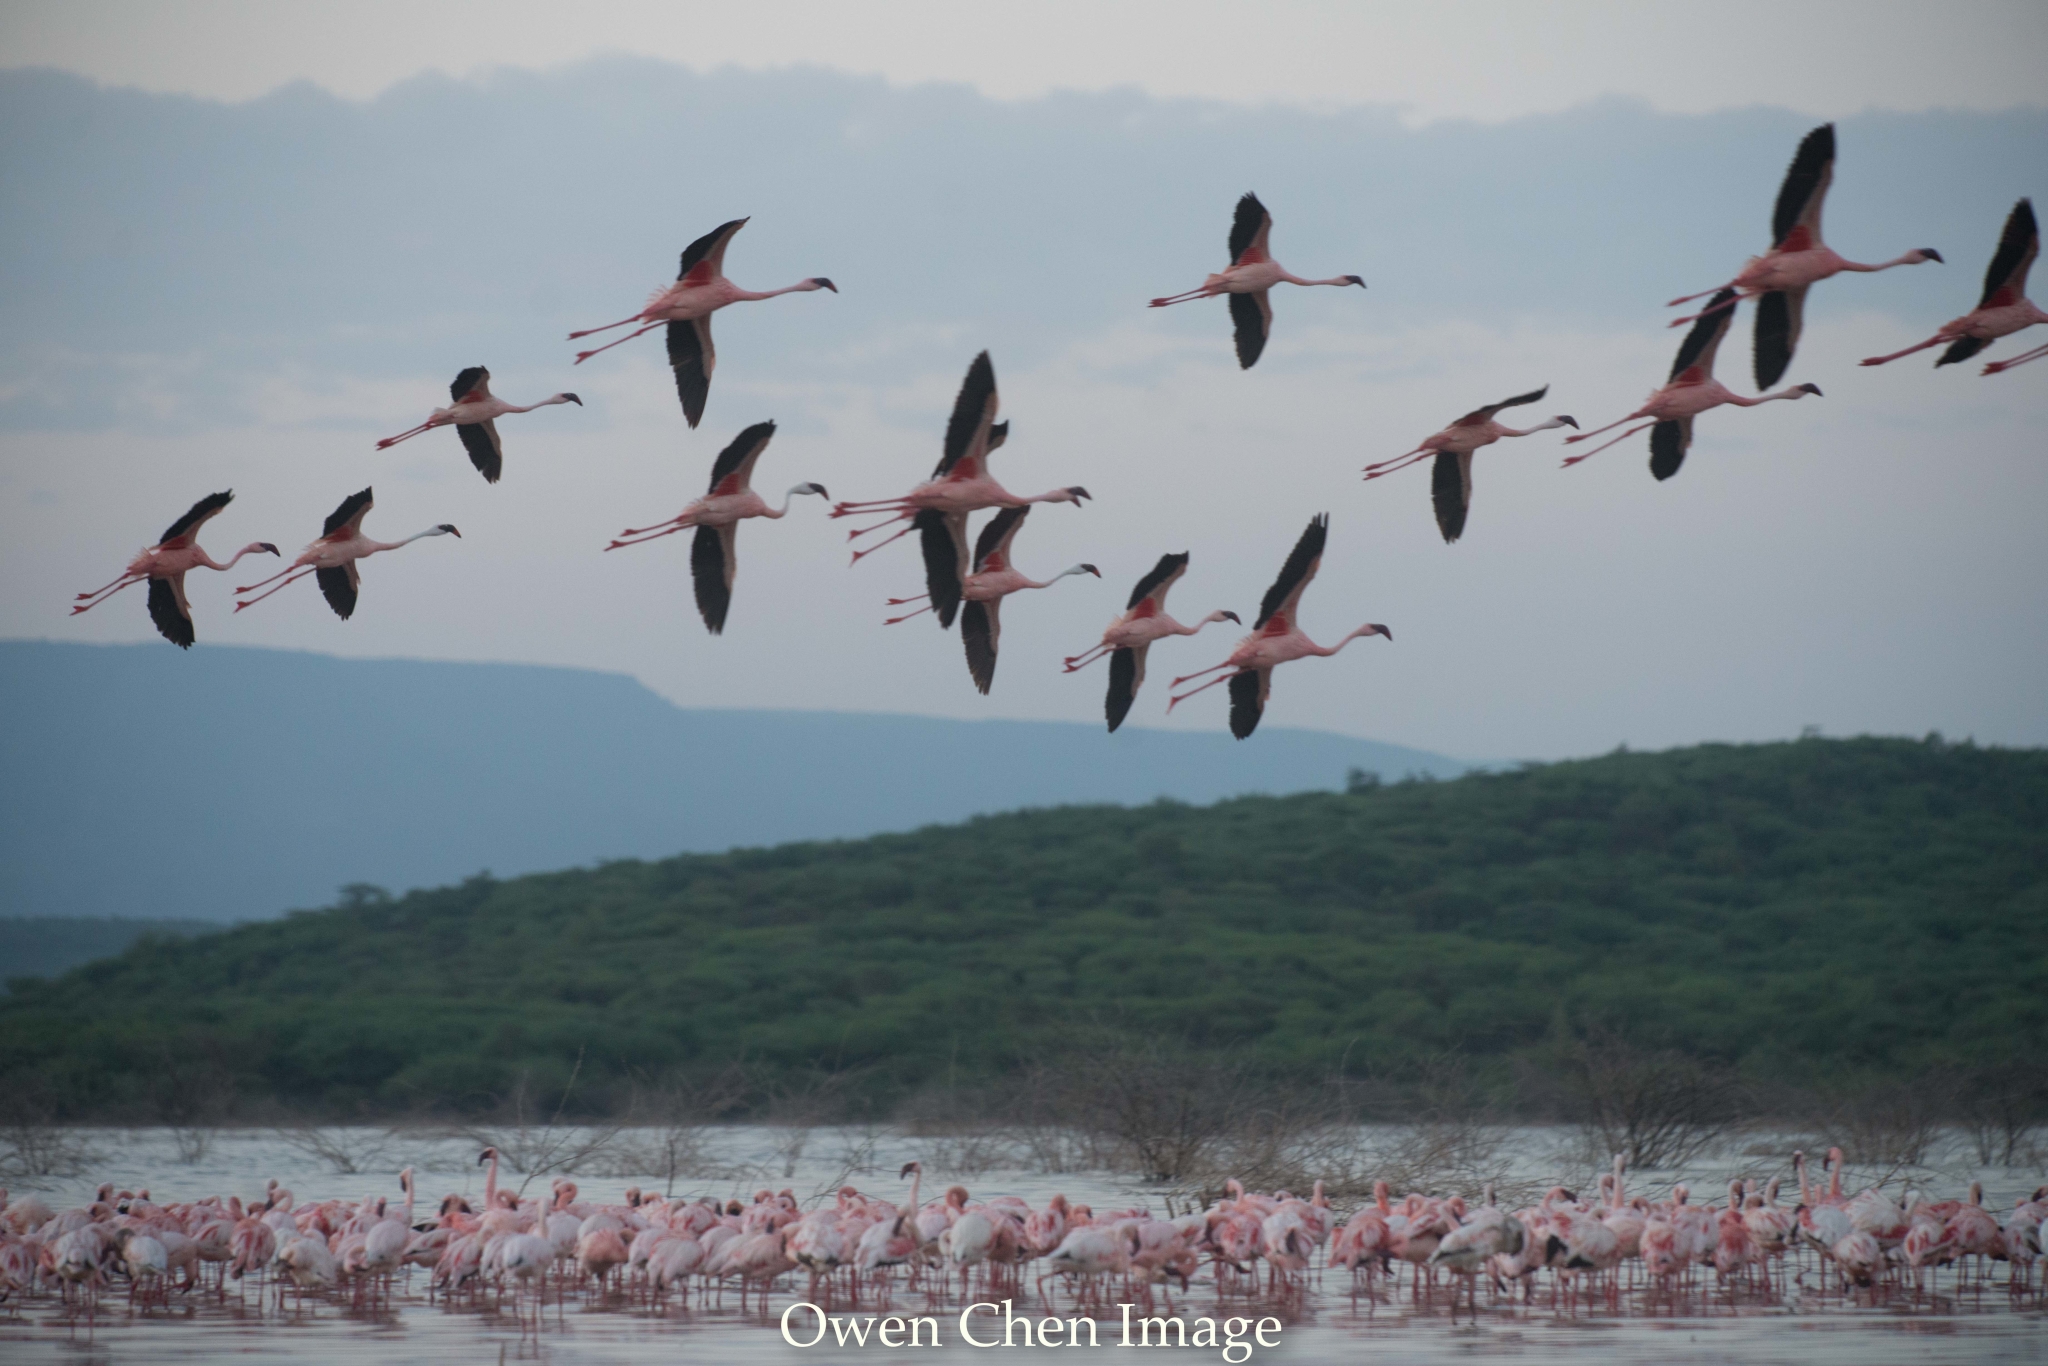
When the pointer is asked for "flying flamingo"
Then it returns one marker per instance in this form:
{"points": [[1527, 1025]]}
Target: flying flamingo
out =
{"points": [[1130, 636], [700, 290], [1798, 260], [1691, 390], [1275, 639], [995, 578], [332, 558], [472, 409], [1248, 278], [960, 484], [1451, 480], [165, 564], [2005, 307], [729, 501]]}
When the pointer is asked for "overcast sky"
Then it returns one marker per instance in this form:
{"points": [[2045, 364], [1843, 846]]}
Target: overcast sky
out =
{"points": [[246, 294]]}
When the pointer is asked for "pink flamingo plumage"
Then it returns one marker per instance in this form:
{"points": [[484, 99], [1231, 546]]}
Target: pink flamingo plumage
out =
{"points": [[993, 578], [960, 484], [1691, 390], [1248, 279], [472, 410], [1275, 637], [730, 500], [332, 558], [700, 290], [165, 564], [1130, 637], [2004, 308], [1451, 479], [1798, 260]]}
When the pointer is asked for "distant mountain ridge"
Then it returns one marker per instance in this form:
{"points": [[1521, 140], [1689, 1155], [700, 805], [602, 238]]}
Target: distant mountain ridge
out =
{"points": [[235, 783]]}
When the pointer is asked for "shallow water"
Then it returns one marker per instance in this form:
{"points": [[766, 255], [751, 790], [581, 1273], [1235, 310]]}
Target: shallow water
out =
{"points": [[1803, 1324]]}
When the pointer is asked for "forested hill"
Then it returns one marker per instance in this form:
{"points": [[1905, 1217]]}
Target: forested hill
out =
{"points": [[1875, 906]]}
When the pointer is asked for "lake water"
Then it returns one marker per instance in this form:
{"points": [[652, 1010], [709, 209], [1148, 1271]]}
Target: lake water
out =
{"points": [[1800, 1325]]}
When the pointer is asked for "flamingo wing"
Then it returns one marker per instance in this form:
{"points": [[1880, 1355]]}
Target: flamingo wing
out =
{"points": [[733, 471], [339, 587], [1284, 597], [349, 514], [1669, 441], [713, 566], [486, 451], [1701, 344], [170, 611], [1249, 230], [706, 255], [968, 431], [1126, 676], [1155, 585], [693, 357], [1779, 315], [1480, 416], [1450, 489], [473, 385], [1252, 317], [1248, 692], [197, 516], [2005, 280], [1804, 191], [996, 537], [943, 537], [981, 627]]}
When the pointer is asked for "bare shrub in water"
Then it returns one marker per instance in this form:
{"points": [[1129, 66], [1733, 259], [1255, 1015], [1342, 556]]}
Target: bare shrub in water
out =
{"points": [[32, 1143], [345, 1151], [1656, 1107], [535, 1147], [2004, 1107], [1889, 1124]]}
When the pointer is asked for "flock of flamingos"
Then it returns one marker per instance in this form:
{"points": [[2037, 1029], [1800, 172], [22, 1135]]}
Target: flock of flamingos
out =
{"points": [[969, 577], [853, 1250]]}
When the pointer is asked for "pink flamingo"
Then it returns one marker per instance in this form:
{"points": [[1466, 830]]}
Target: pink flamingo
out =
{"points": [[332, 558], [472, 409], [2005, 307], [1451, 479], [1248, 278], [960, 484], [729, 501], [700, 290], [1275, 638], [1798, 260], [1129, 638], [165, 565], [1691, 390], [994, 578]]}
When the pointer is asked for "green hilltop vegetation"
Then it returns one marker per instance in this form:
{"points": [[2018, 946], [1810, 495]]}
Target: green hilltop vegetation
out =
{"points": [[1801, 911]]}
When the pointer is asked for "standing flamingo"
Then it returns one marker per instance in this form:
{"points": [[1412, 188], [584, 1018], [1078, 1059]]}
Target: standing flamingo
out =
{"points": [[165, 565], [960, 484], [2005, 307], [1248, 278], [1798, 260], [1691, 390], [332, 558], [472, 408], [1129, 638], [1275, 639], [729, 501], [700, 290], [1451, 480]]}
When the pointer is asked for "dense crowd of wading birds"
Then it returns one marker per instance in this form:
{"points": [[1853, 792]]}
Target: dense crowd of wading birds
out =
{"points": [[971, 578], [853, 1249]]}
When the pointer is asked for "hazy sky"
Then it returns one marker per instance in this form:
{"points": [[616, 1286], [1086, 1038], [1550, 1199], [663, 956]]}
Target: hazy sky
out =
{"points": [[1433, 59], [205, 295]]}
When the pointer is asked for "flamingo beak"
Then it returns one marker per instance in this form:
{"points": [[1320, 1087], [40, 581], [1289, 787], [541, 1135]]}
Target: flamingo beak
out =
{"points": [[450, 529], [1813, 389], [269, 547], [822, 283], [1390, 635], [1570, 422], [1093, 570], [1232, 616], [573, 399], [1931, 254]]}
